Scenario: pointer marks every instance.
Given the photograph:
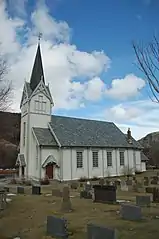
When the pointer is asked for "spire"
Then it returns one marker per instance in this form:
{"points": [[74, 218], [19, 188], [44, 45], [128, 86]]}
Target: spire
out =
{"points": [[37, 71]]}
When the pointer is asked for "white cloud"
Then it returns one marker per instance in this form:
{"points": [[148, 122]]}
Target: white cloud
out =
{"points": [[95, 88], [51, 29], [140, 116], [63, 62], [125, 88]]}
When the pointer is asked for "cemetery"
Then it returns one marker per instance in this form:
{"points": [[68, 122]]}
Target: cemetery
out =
{"points": [[113, 208]]}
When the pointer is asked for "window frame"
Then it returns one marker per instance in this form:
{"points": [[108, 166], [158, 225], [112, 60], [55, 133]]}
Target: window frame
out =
{"points": [[122, 153], [95, 159], [108, 163], [24, 133], [79, 164]]}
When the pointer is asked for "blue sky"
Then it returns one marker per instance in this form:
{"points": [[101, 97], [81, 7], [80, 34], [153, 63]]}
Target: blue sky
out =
{"points": [[100, 79]]}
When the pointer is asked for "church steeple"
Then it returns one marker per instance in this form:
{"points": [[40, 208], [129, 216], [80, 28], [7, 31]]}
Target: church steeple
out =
{"points": [[37, 71]]}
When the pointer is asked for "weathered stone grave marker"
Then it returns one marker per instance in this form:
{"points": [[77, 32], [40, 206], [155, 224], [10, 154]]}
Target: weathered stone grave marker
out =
{"points": [[66, 205], [130, 212], [143, 201], [20, 190], [3, 201], [124, 186], [57, 227], [100, 232], [87, 192]]}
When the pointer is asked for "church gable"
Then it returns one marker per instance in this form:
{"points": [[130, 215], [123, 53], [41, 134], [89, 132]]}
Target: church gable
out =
{"points": [[24, 95]]}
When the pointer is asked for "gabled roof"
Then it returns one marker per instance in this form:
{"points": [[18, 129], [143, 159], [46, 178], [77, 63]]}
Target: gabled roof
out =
{"points": [[44, 137], [75, 132], [37, 72], [29, 92]]}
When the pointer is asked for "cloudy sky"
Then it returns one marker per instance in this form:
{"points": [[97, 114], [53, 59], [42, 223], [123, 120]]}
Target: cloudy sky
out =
{"points": [[87, 56]]}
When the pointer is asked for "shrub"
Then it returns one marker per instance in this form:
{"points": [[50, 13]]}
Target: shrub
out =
{"points": [[13, 181], [94, 179]]}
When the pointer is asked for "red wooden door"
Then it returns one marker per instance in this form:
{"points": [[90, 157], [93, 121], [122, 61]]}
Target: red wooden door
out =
{"points": [[49, 170]]}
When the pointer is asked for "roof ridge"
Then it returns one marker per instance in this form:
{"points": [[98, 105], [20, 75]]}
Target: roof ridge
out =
{"points": [[70, 117]]}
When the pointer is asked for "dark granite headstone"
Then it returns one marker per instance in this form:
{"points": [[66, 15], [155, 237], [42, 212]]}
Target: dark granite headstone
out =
{"points": [[36, 190], [20, 190], [100, 232], [143, 201], [155, 195], [57, 227], [130, 212], [104, 194]]}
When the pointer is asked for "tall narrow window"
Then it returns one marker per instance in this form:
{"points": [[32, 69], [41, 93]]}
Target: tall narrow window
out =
{"points": [[79, 157], [109, 159], [95, 159], [122, 158], [36, 156], [40, 104], [24, 132]]}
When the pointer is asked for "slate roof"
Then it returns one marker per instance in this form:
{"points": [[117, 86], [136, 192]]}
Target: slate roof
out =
{"points": [[44, 137], [75, 132]]}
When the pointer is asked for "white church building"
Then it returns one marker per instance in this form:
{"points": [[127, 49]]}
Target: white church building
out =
{"points": [[66, 148]]}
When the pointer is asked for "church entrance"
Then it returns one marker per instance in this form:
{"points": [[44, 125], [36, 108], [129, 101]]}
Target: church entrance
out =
{"points": [[49, 170]]}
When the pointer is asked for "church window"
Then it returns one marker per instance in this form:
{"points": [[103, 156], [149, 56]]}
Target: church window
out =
{"points": [[36, 156], [40, 105], [109, 159], [122, 158], [24, 132], [79, 156], [95, 159]]}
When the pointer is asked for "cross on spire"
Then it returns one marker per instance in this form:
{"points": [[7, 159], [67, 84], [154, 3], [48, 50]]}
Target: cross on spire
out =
{"points": [[39, 36]]}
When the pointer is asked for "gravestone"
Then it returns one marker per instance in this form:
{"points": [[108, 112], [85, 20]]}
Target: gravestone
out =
{"points": [[123, 186], [36, 190], [57, 227], [143, 201], [100, 232], [130, 212], [154, 180], [6, 189], [66, 205], [3, 201], [20, 190], [87, 187], [104, 194], [156, 195], [149, 189], [56, 192]]}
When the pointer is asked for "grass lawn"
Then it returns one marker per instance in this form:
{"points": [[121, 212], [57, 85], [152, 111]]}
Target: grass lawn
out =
{"points": [[26, 216]]}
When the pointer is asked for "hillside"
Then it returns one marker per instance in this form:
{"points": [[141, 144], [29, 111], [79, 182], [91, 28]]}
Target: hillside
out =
{"points": [[151, 147], [9, 138]]}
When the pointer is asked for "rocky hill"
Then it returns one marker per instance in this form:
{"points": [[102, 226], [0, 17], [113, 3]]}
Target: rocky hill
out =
{"points": [[9, 138], [151, 147]]}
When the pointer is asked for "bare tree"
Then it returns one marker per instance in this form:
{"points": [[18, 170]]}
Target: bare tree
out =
{"points": [[5, 86], [148, 62]]}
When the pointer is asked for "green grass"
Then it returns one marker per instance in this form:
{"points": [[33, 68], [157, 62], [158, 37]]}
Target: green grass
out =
{"points": [[26, 216]]}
